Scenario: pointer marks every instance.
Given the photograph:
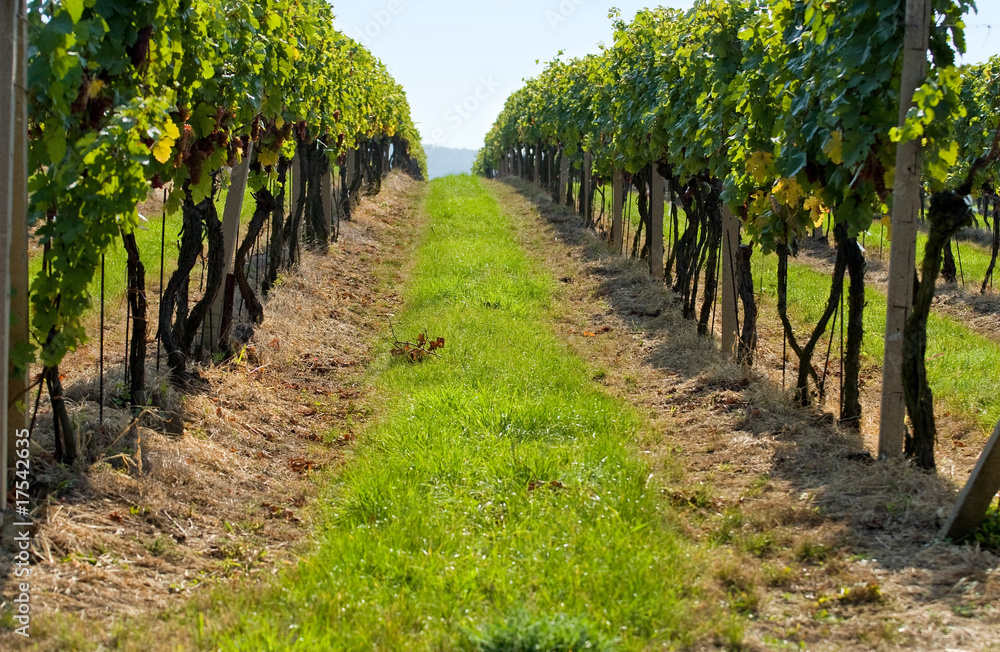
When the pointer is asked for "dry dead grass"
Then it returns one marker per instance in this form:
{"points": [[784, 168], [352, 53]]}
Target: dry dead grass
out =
{"points": [[155, 517], [819, 544]]}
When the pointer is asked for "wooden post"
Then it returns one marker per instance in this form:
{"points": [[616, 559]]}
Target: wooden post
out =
{"points": [[563, 196], [551, 172], [656, 188], [902, 252], [730, 312], [538, 164], [17, 413], [296, 171], [352, 156], [978, 493], [11, 182], [231, 234], [326, 190], [617, 206]]}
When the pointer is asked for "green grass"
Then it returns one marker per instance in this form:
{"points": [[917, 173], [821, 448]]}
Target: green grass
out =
{"points": [[971, 258], [961, 366], [499, 503]]}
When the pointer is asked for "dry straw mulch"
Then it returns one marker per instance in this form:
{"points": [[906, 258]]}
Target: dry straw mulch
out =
{"points": [[153, 517], [817, 542]]}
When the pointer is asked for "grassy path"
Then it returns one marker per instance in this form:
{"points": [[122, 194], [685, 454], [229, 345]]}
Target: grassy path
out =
{"points": [[499, 501]]}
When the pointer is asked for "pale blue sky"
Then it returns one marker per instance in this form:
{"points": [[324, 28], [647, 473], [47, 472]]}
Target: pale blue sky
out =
{"points": [[459, 60]]}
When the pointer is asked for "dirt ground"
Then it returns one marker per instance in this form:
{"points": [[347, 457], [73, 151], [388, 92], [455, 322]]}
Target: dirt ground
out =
{"points": [[823, 547], [153, 517]]}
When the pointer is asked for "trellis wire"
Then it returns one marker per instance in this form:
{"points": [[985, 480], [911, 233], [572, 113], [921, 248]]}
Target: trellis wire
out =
{"points": [[627, 193], [718, 289], [842, 319], [961, 269], [784, 356], [829, 348], [128, 316], [163, 248], [100, 380], [668, 218]]}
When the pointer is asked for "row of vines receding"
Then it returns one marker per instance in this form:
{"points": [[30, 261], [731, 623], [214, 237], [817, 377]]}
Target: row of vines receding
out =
{"points": [[188, 98], [784, 114]]}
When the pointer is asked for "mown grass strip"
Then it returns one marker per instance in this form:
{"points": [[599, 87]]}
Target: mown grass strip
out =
{"points": [[961, 365], [500, 500]]}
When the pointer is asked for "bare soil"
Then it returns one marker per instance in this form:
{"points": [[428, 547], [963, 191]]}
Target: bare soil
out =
{"points": [[152, 517], [822, 547]]}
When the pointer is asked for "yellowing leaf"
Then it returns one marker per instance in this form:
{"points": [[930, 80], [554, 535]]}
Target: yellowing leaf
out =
{"points": [[267, 158], [887, 223], [816, 210], [171, 130], [759, 204], [163, 149], [95, 87], [165, 146], [758, 164], [834, 147], [788, 192]]}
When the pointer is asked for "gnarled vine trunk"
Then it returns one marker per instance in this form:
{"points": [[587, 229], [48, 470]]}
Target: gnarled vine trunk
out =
{"points": [[850, 411], [746, 347], [713, 244], [804, 353], [137, 307], [947, 214], [264, 209], [177, 327]]}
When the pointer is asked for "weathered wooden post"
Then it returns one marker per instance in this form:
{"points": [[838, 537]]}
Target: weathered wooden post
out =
{"points": [[730, 311], [617, 206], [538, 164], [586, 207], [978, 493], [17, 411], [902, 252], [231, 235], [656, 189], [296, 171], [352, 173], [326, 191], [13, 199], [563, 196]]}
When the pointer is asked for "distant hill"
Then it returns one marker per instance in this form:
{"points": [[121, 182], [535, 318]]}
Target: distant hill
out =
{"points": [[442, 161]]}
